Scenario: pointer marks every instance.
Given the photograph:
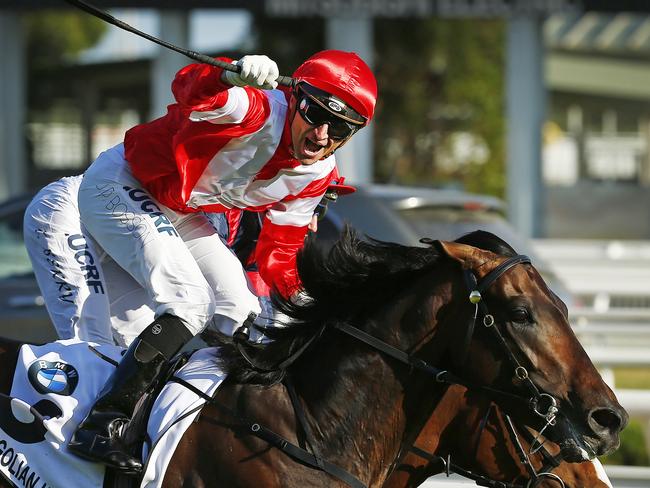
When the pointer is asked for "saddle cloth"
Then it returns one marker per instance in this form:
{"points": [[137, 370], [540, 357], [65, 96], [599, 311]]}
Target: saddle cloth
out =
{"points": [[53, 389]]}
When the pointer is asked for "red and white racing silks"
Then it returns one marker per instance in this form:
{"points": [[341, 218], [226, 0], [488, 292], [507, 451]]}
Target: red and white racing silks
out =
{"points": [[222, 147]]}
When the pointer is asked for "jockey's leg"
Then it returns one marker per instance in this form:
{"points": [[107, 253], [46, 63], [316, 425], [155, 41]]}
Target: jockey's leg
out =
{"points": [[188, 273], [99, 436], [66, 264], [233, 299], [132, 309], [133, 231]]}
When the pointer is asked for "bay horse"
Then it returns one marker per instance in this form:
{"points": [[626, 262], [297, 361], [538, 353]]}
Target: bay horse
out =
{"points": [[356, 375], [336, 396], [469, 434]]}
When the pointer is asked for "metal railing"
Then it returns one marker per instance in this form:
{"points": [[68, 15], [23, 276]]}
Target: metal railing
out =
{"points": [[611, 317]]}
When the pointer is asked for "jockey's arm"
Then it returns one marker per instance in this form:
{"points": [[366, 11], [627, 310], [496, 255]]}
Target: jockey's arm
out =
{"points": [[282, 236], [199, 87]]}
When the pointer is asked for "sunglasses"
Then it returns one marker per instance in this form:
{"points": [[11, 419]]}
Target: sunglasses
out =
{"points": [[316, 115]]}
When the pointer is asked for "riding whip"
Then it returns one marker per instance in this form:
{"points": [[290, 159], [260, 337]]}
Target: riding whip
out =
{"points": [[202, 58]]}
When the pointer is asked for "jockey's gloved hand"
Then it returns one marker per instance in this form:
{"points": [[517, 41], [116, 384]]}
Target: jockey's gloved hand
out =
{"points": [[258, 71]]}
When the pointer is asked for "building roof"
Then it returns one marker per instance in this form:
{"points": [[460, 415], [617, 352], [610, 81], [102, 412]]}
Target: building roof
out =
{"points": [[599, 32]]}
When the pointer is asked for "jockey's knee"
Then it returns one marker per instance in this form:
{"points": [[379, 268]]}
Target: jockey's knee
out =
{"points": [[232, 310], [194, 310]]}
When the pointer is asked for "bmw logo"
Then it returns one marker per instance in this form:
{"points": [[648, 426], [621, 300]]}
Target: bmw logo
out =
{"points": [[53, 377]]}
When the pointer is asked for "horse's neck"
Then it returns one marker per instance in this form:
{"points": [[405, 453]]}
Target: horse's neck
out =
{"points": [[364, 406], [356, 424]]}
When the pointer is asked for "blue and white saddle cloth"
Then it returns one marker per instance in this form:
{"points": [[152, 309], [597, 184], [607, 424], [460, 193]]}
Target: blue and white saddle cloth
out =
{"points": [[53, 389]]}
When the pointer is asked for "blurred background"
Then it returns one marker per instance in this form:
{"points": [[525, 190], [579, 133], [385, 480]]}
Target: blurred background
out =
{"points": [[529, 118]]}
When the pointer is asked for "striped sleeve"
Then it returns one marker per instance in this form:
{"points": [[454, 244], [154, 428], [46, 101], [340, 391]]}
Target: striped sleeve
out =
{"points": [[199, 87], [283, 235]]}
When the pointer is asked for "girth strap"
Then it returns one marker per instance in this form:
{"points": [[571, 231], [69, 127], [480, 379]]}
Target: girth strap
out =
{"points": [[302, 420]]}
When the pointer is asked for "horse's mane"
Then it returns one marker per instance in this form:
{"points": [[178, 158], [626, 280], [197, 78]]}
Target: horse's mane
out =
{"points": [[354, 277]]}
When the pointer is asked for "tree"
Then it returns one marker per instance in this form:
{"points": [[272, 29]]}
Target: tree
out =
{"points": [[440, 79], [439, 118], [54, 36]]}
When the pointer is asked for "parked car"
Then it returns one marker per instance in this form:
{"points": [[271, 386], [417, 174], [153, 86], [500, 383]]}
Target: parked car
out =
{"points": [[405, 214], [22, 312], [390, 213]]}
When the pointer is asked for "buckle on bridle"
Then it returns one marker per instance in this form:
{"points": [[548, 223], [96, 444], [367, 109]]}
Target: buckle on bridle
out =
{"points": [[549, 415]]}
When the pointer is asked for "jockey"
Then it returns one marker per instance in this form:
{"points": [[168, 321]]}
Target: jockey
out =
{"points": [[231, 140], [81, 302]]}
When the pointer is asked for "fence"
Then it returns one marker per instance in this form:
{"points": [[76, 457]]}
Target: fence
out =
{"points": [[603, 275], [611, 316]]}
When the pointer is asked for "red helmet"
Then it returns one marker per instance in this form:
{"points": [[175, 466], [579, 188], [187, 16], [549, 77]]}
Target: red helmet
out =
{"points": [[344, 75]]}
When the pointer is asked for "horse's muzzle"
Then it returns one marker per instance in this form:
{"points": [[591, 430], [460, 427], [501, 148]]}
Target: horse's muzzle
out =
{"points": [[606, 424]]}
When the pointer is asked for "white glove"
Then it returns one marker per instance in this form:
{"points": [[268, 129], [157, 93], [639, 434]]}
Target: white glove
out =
{"points": [[258, 71]]}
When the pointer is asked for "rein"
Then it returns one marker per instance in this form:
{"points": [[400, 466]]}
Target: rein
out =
{"points": [[550, 462]]}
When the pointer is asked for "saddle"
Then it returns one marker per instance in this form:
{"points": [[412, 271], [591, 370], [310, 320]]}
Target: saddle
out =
{"points": [[53, 386]]}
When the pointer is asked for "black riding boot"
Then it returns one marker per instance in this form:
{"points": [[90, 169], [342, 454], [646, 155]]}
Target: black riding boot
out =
{"points": [[99, 436]]}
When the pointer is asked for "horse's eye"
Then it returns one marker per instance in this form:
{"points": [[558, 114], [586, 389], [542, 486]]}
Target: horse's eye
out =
{"points": [[520, 315]]}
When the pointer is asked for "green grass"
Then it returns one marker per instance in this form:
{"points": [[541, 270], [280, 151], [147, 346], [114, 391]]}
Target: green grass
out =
{"points": [[632, 378], [633, 447]]}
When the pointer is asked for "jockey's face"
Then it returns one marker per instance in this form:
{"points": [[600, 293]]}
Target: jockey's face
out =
{"points": [[310, 143]]}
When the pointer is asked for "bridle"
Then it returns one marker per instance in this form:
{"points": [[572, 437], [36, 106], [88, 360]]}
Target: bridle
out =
{"points": [[537, 398], [541, 404]]}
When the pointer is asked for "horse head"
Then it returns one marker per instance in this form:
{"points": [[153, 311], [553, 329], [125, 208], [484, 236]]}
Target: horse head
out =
{"points": [[515, 337]]}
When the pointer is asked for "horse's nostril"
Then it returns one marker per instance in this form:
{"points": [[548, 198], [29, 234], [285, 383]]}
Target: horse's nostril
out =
{"points": [[606, 419]]}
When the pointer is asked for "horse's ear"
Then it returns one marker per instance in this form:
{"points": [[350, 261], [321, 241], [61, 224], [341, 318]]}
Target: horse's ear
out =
{"points": [[468, 256]]}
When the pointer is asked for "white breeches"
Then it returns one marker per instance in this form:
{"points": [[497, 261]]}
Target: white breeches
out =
{"points": [[179, 259], [66, 264]]}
